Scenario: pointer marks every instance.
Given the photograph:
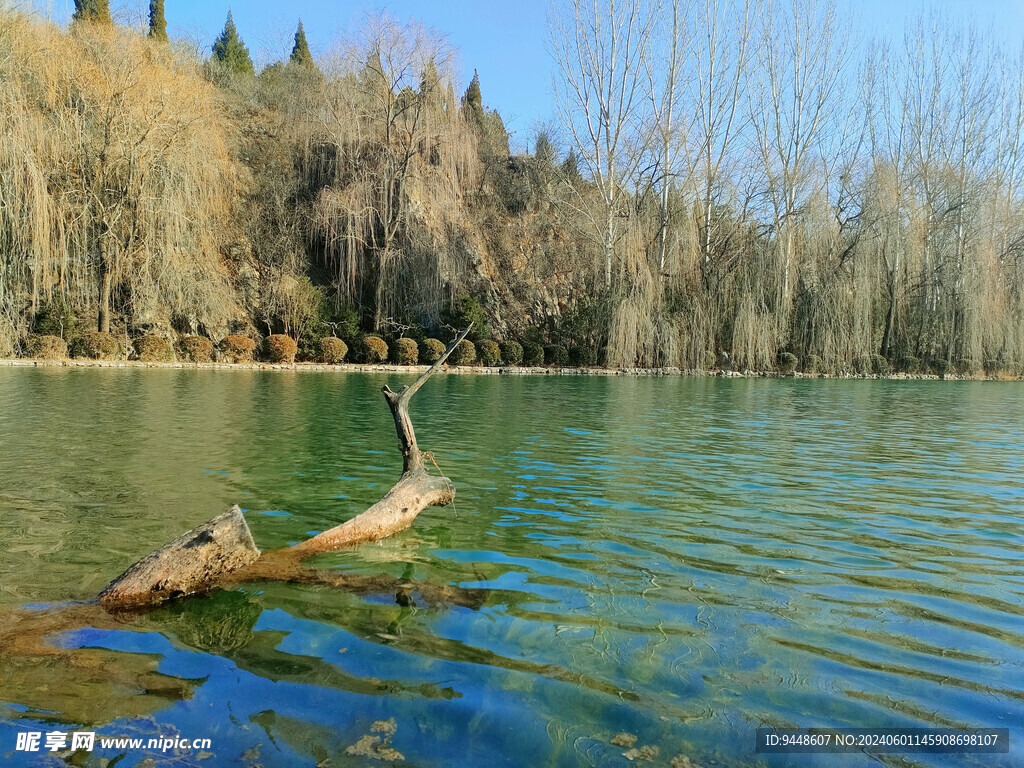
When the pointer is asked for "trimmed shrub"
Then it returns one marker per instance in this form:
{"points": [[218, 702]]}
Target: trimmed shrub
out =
{"points": [[237, 349], [374, 349], [581, 357], [556, 355], [862, 365], [46, 347], [880, 366], [511, 352], [153, 349], [939, 367], [966, 367], [786, 362], [308, 348], [812, 364], [280, 348], [405, 352], [710, 360], [431, 350], [332, 350], [464, 354], [101, 346], [195, 349], [489, 353], [909, 364], [533, 354]]}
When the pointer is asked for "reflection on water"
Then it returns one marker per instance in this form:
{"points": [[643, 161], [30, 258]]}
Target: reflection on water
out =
{"points": [[678, 560]]}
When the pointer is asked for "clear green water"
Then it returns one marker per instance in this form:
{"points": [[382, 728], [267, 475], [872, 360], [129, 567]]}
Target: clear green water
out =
{"points": [[680, 559]]}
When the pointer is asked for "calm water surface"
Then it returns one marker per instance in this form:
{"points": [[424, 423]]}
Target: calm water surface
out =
{"points": [[679, 559]]}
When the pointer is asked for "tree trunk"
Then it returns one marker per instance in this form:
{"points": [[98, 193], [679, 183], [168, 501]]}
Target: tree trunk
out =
{"points": [[187, 564], [222, 552], [609, 249], [103, 323], [890, 318]]}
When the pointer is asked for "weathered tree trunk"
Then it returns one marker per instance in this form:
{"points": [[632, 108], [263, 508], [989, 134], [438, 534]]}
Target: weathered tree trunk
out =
{"points": [[186, 565], [222, 551], [103, 299]]}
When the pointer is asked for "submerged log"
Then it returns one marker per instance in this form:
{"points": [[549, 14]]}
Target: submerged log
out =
{"points": [[222, 552], [187, 565]]}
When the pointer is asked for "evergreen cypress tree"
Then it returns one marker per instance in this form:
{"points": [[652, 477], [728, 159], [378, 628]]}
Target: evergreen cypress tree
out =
{"points": [[571, 168], [300, 52], [431, 90], [373, 80], [544, 150], [473, 99], [494, 138], [430, 81], [92, 10], [157, 21], [230, 51]]}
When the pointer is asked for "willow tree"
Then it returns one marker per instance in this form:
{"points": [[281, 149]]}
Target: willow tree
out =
{"points": [[888, 195], [136, 196], [399, 149]]}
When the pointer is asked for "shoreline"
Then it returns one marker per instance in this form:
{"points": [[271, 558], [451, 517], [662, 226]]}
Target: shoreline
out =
{"points": [[480, 370]]}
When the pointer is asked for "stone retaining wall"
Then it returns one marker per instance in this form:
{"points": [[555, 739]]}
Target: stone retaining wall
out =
{"points": [[468, 369]]}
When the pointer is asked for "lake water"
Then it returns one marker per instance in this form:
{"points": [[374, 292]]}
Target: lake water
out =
{"points": [[682, 560]]}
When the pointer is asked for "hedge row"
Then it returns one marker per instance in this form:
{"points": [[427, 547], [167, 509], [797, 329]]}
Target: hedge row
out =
{"points": [[282, 349], [279, 348]]}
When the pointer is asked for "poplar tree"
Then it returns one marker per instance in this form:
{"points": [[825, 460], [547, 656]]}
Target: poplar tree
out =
{"points": [[157, 21], [300, 52], [92, 10], [230, 50]]}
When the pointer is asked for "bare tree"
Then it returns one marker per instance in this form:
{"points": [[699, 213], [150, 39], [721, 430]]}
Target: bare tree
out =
{"points": [[666, 75], [888, 187], [600, 50], [720, 58], [802, 52]]}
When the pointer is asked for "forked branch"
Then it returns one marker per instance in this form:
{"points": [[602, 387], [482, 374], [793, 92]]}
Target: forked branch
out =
{"points": [[399, 404]]}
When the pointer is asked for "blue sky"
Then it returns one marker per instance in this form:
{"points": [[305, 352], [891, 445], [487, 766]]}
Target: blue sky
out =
{"points": [[504, 41]]}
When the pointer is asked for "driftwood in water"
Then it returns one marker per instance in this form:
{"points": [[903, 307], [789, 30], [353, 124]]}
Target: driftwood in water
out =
{"points": [[187, 565], [222, 552]]}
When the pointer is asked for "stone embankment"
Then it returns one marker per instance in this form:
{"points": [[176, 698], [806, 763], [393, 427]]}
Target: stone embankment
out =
{"points": [[473, 369]]}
